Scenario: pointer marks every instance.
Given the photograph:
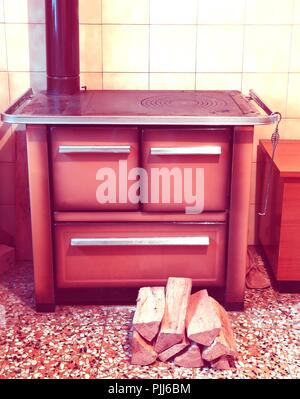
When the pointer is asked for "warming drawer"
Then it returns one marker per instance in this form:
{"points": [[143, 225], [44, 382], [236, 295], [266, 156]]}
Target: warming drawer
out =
{"points": [[182, 163], [82, 160], [137, 254]]}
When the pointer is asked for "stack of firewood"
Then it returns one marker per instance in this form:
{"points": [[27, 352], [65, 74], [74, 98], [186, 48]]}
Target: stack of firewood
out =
{"points": [[193, 330]]}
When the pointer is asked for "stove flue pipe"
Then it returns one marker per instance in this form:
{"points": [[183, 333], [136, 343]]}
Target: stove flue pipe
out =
{"points": [[62, 43]]}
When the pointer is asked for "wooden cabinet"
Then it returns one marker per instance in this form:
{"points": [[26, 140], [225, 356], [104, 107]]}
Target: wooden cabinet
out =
{"points": [[279, 229]]}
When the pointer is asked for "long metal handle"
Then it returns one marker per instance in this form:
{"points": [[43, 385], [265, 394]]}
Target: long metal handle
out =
{"points": [[138, 241], [253, 96], [202, 150], [94, 149]]}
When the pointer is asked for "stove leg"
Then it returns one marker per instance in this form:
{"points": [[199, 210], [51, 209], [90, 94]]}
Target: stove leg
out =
{"points": [[239, 217], [37, 150], [45, 307]]}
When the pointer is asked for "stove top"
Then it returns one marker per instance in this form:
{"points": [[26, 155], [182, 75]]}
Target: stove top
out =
{"points": [[137, 107]]}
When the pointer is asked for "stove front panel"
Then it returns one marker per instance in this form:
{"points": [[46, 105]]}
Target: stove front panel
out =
{"points": [[139, 254]]}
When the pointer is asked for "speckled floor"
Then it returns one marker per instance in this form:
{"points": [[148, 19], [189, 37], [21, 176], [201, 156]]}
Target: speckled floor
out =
{"points": [[93, 341]]}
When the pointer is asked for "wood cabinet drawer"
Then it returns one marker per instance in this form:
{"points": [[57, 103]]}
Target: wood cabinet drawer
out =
{"points": [[137, 254], [184, 163], [78, 156]]}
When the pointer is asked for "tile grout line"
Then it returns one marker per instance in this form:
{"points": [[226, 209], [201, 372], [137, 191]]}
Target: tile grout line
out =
{"points": [[102, 74], [244, 40], [149, 44], [196, 45], [289, 65]]}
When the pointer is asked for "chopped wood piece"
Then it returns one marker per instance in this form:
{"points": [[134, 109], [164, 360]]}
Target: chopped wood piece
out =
{"points": [[142, 352], [222, 363], [190, 358], [173, 350], [173, 323], [149, 311], [7, 258], [203, 322], [224, 344]]}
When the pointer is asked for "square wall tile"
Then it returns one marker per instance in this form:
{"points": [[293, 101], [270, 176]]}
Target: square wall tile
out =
{"points": [[293, 100], [218, 81], [295, 49], [7, 143], [125, 12], [292, 129], [172, 48], [259, 57], [4, 91], [271, 87], [90, 48], [125, 81], [125, 48], [37, 47], [93, 81], [19, 82], [7, 182], [219, 48], [297, 12], [173, 11], [172, 81], [269, 11], [221, 12], [23, 11], [90, 11], [3, 55], [17, 41], [1, 11]]}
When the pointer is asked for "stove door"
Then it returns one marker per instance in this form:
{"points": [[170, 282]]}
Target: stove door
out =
{"points": [[138, 254], [188, 170], [90, 165]]}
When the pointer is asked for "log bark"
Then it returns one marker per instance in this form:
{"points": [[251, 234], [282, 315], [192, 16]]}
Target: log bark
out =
{"points": [[190, 358], [174, 350], [142, 352], [224, 343], [173, 324], [203, 323], [222, 363], [149, 311]]}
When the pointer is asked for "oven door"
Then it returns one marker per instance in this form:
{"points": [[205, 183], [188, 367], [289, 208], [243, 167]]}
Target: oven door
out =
{"points": [[89, 167], [138, 254], [188, 170]]}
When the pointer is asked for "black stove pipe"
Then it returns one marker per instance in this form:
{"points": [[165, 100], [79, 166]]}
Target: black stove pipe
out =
{"points": [[62, 46]]}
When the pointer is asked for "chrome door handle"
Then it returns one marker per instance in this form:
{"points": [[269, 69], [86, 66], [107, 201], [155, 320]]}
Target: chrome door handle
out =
{"points": [[201, 150], [94, 149], [138, 241]]}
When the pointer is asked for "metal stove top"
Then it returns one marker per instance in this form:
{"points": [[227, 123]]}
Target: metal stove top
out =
{"points": [[138, 107]]}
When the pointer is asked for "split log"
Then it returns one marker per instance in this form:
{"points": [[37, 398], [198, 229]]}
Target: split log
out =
{"points": [[142, 352], [224, 343], [174, 350], [173, 323], [149, 311], [222, 363], [203, 322], [190, 358]]}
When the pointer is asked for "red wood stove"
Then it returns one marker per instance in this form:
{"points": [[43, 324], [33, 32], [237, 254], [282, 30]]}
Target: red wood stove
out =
{"points": [[79, 243]]}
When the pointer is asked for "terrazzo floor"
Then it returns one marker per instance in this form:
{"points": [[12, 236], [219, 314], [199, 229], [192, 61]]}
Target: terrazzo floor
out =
{"points": [[93, 341]]}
